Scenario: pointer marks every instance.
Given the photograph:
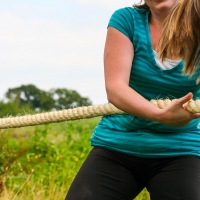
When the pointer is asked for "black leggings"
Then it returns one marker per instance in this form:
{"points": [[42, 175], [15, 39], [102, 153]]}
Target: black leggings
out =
{"points": [[110, 175]]}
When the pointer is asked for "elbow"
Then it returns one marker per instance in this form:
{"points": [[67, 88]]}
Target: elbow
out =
{"points": [[109, 94], [110, 97], [112, 94]]}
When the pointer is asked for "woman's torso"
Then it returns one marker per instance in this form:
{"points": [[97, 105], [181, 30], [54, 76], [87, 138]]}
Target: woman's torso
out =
{"points": [[138, 136]]}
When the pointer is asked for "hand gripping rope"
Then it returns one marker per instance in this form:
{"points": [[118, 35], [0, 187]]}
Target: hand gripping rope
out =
{"points": [[80, 113]]}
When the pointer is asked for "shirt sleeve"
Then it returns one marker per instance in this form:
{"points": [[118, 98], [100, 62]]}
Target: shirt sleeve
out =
{"points": [[122, 20]]}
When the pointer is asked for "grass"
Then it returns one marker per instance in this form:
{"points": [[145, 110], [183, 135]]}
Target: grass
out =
{"points": [[39, 163]]}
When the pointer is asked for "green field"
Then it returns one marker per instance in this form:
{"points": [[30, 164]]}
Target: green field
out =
{"points": [[39, 163]]}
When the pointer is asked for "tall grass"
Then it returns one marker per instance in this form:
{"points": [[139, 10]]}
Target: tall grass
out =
{"points": [[39, 163]]}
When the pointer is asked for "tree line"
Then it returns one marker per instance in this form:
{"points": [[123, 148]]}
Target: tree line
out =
{"points": [[29, 98]]}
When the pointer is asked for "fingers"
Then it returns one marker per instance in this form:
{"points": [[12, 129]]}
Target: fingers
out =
{"points": [[185, 98], [196, 115]]}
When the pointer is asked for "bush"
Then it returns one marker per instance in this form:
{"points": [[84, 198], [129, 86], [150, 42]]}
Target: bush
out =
{"points": [[39, 163], [13, 108]]}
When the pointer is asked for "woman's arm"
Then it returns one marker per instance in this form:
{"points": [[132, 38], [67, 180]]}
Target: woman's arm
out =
{"points": [[118, 57]]}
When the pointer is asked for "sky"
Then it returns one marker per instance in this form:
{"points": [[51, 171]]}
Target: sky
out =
{"points": [[55, 44]]}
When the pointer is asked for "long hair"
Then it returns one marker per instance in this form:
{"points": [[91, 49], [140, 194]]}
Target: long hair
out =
{"points": [[181, 36]]}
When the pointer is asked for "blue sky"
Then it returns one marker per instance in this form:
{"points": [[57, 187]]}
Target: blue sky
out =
{"points": [[55, 44]]}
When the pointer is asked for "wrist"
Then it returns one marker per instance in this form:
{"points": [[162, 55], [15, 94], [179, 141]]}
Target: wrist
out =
{"points": [[158, 115]]}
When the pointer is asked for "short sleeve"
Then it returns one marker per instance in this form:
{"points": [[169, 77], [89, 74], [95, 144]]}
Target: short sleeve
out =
{"points": [[122, 20]]}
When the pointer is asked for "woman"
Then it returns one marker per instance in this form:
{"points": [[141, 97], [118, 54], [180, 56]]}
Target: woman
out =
{"points": [[147, 147]]}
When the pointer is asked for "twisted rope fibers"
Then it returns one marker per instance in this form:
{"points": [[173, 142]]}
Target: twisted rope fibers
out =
{"points": [[59, 116], [81, 113]]}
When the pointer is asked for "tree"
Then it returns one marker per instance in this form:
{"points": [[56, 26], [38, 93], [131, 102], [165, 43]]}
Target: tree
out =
{"points": [[40, 100], [65, 98], [12, 108], [32, 96]]}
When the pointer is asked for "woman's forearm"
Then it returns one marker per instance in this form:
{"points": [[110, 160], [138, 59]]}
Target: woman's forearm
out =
{"points": [[131, 102]]}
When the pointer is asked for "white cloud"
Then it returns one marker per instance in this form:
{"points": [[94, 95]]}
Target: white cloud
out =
{"points": [[48, 54], [46, 43], [39, 47], [109, 4]]}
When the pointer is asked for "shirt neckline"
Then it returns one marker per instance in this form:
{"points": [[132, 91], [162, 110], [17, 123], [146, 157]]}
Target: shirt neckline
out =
{"points": [[151, 50]]}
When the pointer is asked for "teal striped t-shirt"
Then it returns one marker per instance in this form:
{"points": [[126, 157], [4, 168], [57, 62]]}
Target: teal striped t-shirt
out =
{"points": [[137, 136]]}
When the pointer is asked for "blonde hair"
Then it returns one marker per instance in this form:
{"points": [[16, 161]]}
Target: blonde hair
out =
{"points": [[181, 35]]}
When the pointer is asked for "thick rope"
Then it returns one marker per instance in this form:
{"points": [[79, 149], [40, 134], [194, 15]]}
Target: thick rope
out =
{"points": [[80, 113], [59, 116], [192, 106]]}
